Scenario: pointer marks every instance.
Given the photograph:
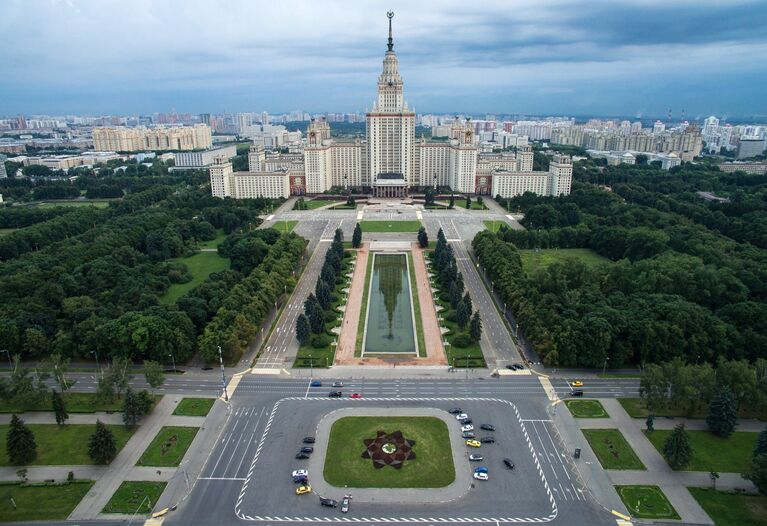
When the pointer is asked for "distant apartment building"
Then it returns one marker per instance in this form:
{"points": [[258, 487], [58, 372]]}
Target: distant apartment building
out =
{"points": [[667, 160], [203, 158], [749, 168], [3, 173], [686, 144], [750, 147], [557, 181], [120, 139]]}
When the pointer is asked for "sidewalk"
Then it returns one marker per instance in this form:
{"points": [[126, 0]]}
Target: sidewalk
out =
{"points": [[34, 417], [124, 466], [658, 473]]}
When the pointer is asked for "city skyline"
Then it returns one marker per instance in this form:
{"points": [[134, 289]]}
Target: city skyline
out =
{"points": [[554, 58]]}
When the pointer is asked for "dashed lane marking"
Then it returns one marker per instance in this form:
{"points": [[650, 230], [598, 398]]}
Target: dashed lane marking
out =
{"points": [[552, 501]]}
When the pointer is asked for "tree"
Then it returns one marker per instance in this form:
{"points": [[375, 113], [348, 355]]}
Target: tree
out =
{"points": [[481, 202], [322, 291], [135, 406], [461, 315], [467, 301], [677, 449], [153, 374], [468, 202], [761, 443], [423, 238], [722, 413], [102, 446], [106, 389], [650, 423], [60, 368], [59, 407], [475, 327], [451, 205], [758, 473], [20, 443], [653, 387], [313, 311], [357, 236], [303, 330], [120, 373]]}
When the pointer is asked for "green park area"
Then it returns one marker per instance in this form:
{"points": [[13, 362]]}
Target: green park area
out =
{"points": [[40, 502], [732, 509], [474, 204], [586, 409], [636, 408], [364, 311], [135, 497], [315, 204], [611, 449], [63, 445], [216, 241], [96, 203], [194, 407], [6, 231], [533, 260], [494, 226], [416, 308], [168, 447], [284, 226], [75, 403], [647, 502], [200, 265], [426, 438], [390, 226], [320, 352], [712, 453]]}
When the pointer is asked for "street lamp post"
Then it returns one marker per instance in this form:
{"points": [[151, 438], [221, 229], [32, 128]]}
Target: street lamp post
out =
{"points": [[604, 365], [173, 361], [94, 353], [223, 375]]}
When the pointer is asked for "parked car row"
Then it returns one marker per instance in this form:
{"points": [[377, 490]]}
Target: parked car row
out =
{"points": [[305, 450], [467, 432]]}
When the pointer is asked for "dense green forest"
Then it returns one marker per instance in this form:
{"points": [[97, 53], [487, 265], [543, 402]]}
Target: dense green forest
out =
{"points": [[76, 281], [688, 278]]}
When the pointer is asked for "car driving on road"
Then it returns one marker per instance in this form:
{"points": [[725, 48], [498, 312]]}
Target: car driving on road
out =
{"points": [[316, 383], [338, 384], [335, 394]]}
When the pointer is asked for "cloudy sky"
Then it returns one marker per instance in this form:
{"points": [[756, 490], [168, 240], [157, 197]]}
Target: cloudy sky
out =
{"points": [[595, 57]]}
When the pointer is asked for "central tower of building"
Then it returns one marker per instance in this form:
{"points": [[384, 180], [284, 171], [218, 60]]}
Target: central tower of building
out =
{"points": [[390, 131]]}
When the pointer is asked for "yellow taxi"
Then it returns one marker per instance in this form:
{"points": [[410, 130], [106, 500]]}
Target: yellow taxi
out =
{"points": [[302, 490], [576, 383], [474, 443]]}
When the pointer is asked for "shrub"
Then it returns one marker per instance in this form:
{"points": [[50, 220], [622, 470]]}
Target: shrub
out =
{"points": [[463, 340], [320, 341]]}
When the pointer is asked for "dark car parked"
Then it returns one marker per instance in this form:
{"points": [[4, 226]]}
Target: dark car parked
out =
{"points": [[309, 440], [301, 456], [466, 421], [455, 411], [487, 440], [508, 463], [487, 427], [307, 449], [330, 503]]}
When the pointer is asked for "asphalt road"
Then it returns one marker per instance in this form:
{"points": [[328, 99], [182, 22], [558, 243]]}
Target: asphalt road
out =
{"points": [[247, 475]]}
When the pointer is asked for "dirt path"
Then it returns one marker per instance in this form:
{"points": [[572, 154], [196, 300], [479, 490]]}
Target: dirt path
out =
{"points": [[347, 340]]}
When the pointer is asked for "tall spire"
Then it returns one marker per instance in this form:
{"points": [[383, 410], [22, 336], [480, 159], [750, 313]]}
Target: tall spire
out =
{"points": [[390, 44]]}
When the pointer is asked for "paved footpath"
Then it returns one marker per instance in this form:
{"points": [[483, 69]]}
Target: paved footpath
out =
{"points": [[124, 466], [673, 483]]}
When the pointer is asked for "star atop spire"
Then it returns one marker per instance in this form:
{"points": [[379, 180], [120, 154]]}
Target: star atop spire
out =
{"points": [[390, 44]]}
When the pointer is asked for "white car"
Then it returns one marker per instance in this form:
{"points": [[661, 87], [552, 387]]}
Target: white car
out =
{"points": [[467, 427], [481, 476], [461, 416], [301, 473]]}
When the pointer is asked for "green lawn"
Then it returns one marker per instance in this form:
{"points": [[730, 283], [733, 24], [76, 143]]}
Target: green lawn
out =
{"points": [[533, 260], [168, 447], [432, 467], [93, 203], [732, 509], [494, 226], [364, 309], [200, 266], [75, 402], [611, 449], [131, 497], [284, 226], [416, 308], [709, 452], [194, 406], [390, 226], [317, 203], [474, 204], [636, 408], [40, 502], [647, 502], [586, 409], [215, 242], [66, 445]]}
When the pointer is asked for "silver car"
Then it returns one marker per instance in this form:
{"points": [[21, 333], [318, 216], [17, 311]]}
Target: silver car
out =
{"points": [[345, 503]]}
